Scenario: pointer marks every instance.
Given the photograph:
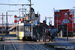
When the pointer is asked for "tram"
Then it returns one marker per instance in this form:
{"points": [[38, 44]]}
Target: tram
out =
{"points": [[25, 31]]}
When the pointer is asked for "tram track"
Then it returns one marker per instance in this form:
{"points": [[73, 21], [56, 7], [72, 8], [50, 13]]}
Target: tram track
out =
{"points": [[32, 47], [36, 46], [11, 44], [26, 46], [4, 44], [14, 46]]}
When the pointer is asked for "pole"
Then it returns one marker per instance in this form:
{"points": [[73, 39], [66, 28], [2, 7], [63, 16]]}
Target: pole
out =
{"points": [[30, 14], [72, 22], [49, 20], [57, 26], [6, 23], [25, 15], [30, 10], [22, 10], [25, 11], [67, 27], [2, 23], [19, 13]]}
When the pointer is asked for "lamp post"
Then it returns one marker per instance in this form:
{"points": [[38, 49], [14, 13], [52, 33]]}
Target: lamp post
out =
{"points": [[57, 25], [67, 27], [30, 13], [57, 21], [73, 21], [30, 10]]}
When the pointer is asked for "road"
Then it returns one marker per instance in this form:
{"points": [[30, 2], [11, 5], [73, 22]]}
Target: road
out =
{"points": [[11, 43], [63, 43]]}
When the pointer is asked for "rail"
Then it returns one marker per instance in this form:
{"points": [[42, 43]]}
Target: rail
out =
{"points": [[35, 48], [32, 47], [11, 43], [4, 44]]}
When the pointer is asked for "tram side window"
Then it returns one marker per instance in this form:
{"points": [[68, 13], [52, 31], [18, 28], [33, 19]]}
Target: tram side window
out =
{"points": [[21, 28]]}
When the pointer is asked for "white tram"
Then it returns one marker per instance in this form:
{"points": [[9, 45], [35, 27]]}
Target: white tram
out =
{"points": [[25, 31]]}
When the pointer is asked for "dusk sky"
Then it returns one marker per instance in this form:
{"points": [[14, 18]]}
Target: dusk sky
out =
{"points": [[44, 7]]}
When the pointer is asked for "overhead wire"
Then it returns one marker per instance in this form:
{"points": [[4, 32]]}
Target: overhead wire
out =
{"points": [[26, 9], [8, 3], [17, 3]]}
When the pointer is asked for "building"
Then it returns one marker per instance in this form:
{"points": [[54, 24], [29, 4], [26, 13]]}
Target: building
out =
{"points": [[64, 18]]}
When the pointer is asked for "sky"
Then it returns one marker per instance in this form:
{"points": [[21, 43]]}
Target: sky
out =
{"points": [[44, 7]]}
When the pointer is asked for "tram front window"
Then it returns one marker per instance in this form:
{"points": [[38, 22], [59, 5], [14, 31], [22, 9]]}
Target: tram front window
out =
{"points": [[21, 28], [27, 28]]}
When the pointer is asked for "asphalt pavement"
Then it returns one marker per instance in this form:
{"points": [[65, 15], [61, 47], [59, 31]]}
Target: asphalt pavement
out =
{"points": [[63, 43], [60, 43], [12, 43]]}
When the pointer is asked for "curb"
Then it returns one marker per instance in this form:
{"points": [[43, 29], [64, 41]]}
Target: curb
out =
{"points": [[52, 46]]}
